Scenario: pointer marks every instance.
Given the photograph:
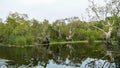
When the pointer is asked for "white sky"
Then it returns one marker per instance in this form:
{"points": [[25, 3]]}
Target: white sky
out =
{"points": [[44, 9]]}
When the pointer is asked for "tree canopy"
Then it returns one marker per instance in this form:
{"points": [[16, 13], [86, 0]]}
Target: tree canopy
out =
{"points": [[18, 29]]}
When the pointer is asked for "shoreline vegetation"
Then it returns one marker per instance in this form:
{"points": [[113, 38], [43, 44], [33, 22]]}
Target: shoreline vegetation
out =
{"points": [[104, 24], [19, 30], [52, 43], [85, 41]]}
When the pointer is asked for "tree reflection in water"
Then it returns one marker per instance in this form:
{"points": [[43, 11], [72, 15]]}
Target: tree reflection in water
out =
{"points": [[64, 55], [99, 63]]}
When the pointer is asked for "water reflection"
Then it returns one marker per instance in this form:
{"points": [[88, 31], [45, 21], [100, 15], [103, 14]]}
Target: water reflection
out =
{"points": [[3, 63], [97, 63], [60, 55]]}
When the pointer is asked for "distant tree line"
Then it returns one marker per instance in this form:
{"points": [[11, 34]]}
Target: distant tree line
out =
{"points": [[104, 24], [18, 29]]}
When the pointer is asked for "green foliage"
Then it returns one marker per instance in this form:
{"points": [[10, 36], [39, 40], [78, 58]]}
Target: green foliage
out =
{"points": [[91, 39], [19, 30], [20, 40], [29, 40], [12, 39]]}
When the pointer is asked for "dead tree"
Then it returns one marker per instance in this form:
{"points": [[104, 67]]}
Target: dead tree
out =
{"points": [[107, 33]]}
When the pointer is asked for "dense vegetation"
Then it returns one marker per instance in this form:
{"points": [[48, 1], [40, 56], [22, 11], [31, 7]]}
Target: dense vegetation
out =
{"points": [[18, 29]]}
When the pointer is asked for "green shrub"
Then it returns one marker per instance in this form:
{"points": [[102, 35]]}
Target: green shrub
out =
{"points": [[29, 40], [91, 39], [20, 40], [11, 39]]}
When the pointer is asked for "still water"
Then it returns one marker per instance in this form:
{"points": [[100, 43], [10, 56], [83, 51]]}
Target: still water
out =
{"points": [[82, 55]]}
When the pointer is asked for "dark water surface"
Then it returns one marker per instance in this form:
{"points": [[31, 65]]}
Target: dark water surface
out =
{"points": [[82, 55]]}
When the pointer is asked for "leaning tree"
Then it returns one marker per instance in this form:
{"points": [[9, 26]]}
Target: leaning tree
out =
{"points": [[107, 12]]}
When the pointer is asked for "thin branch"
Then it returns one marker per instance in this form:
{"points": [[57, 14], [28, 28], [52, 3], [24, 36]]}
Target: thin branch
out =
{"points": [[118, 11], [112, 23], [105, 24], [100, 29], [108, 24]]}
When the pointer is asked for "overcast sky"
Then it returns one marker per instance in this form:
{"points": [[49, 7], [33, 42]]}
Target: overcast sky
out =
{"points": [[44, 9]]}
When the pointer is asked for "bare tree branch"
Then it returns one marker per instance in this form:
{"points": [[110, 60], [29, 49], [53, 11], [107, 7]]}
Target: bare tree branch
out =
{"points": [[100, 29]]}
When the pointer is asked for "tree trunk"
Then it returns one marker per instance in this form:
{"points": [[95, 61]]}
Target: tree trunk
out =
{"points": [[71, 33], [108, 42], [108, 38]]}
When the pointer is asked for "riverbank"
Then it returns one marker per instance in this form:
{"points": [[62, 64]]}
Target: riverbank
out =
{"points": [[51, 43], [84, 41]]}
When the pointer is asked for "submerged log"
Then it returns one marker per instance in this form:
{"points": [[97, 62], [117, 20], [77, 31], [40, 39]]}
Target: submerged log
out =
{"points": [[45, 41], [68, 39]]}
